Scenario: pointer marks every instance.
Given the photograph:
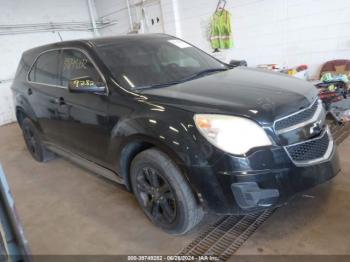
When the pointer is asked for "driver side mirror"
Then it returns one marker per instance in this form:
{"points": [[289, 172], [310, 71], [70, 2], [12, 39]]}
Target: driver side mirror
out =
{"points": [[86, 84]]}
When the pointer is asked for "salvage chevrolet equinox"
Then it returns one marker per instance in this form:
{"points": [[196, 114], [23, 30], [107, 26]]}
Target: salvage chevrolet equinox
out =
{"points": [[184, 132]]}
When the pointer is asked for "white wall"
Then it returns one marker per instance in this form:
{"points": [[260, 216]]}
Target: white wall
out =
{"points": [[113, 10], [12, 46], [117, 10], [286, 32]]}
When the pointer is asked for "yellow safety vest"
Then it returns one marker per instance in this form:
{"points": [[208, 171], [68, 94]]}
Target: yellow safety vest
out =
{"points": [[220, 33]]}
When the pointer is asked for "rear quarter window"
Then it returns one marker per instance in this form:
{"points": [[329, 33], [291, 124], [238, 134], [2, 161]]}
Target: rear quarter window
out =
{"points": [[45, 69]]}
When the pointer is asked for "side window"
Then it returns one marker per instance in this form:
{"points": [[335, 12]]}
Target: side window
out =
{"points": [[75, 65], [45, 69]]}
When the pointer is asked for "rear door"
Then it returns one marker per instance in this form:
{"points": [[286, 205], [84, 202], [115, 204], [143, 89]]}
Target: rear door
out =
{"points": [[43, 91], [86, 129]]}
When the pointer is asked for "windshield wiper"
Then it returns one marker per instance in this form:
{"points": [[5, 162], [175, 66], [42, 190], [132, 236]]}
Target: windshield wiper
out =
{"points": [[196, 75], [205, 72], [159, 85]]}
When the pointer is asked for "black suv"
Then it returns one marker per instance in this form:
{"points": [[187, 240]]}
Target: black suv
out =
{"points": [[183, 131]]}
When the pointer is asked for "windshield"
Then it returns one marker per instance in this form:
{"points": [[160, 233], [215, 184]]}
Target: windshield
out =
{"points": [[158, 61]]}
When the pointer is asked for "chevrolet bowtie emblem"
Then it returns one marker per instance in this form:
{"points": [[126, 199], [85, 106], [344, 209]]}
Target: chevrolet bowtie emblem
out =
{"points": [[316, 128]]}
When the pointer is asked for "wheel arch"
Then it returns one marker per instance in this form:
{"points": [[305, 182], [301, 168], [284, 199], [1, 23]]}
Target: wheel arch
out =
{"points": [[141, 143], [24, 109], [20, 115]]}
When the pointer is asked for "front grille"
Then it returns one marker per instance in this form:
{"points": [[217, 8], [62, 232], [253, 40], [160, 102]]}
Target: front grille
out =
{"points": [[297, 118], [310, 150]]}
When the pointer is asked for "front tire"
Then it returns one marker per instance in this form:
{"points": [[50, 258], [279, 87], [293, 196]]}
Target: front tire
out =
{"points": [[34, 143], [163, 193]]}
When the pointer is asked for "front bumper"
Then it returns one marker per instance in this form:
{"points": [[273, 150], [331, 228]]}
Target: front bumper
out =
{"points": [[265, 179], [302, 156], [277, 186]]}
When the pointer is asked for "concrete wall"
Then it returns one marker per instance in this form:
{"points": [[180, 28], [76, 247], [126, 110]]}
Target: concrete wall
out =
{"points": [[286, 32], [117, 10], [12, 46], [113, 10]]}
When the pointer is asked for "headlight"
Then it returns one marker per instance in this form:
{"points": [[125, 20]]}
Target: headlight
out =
{"points": [[235, 135]]}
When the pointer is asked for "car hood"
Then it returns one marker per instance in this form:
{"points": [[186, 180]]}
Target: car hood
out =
{"points": [[257, 94]]}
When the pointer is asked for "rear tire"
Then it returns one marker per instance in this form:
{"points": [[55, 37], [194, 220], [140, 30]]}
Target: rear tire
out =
{"points": [[163, 193], [34, 143]]}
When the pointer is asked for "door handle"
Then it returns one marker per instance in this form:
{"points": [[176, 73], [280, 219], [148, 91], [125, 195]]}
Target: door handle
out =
{"points": [[59, 101], [29, 91]]}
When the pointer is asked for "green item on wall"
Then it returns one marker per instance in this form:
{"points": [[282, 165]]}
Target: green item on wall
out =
{"points": [[220, 33]]}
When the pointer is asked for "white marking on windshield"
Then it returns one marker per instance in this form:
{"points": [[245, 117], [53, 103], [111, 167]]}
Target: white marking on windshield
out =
{"points": [[179, 43]]}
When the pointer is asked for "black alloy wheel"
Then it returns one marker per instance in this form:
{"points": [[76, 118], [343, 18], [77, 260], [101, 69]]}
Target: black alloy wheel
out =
{"points": [[163, 192], [32, 142], [156, 195]]}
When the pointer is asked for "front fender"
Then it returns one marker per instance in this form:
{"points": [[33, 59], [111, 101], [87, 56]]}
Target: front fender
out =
{"points": [[177, 137], [180, 137]]}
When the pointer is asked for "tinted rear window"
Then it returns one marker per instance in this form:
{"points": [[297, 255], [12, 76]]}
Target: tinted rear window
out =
{"points": [[45, 69]]}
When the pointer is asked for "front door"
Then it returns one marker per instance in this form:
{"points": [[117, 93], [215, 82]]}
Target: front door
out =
{"points": [[86, 121]]}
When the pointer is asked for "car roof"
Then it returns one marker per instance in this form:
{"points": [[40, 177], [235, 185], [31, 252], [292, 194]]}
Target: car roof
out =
{"points": [[102, 41], [95, 42]]}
